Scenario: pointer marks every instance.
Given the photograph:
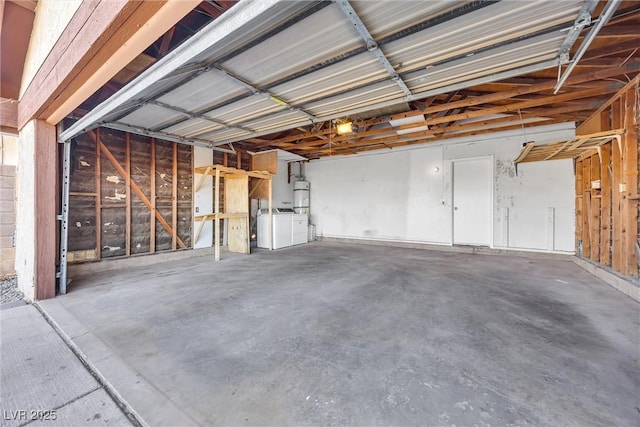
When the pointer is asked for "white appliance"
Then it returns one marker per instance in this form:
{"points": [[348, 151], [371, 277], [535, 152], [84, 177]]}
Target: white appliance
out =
{"points": [[288, 229], [301, 197]]}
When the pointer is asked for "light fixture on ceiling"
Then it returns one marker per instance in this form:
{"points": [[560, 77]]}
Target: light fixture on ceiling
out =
{"points": [[346, 128]]}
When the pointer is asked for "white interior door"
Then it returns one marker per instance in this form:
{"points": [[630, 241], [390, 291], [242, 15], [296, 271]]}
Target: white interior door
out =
{"points": [[472, 201]]}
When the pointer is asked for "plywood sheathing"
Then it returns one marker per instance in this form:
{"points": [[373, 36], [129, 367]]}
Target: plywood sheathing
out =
{"points": [[581, 145]]}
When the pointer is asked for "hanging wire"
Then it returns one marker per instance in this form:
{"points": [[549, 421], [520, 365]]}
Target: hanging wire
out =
{"points": [[330, 135], [524, 132]]}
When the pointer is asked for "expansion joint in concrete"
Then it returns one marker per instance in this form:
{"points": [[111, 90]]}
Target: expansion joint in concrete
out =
{"points": [[129, 412]]}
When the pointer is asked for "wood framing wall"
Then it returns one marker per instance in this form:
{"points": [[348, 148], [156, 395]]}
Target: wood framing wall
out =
{"points": [[607, 217], [129, 195]]}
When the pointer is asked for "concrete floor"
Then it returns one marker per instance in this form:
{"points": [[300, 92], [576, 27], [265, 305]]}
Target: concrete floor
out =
{"points": [[42, 382], [337, 334]]}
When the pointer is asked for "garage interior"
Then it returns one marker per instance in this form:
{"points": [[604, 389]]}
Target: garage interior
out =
{"points": [[365, 213]]}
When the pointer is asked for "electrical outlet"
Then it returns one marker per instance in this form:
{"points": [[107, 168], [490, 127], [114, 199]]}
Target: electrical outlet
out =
{"points": [[197, 209]]}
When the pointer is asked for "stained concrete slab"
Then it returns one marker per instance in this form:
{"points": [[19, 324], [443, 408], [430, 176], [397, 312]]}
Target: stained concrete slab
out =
{"points": [[41, 377], [93, 410], [330, 333]]}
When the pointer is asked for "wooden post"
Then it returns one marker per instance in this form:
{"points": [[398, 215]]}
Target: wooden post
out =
{"points": [[605, 204], [616, 160], [98, 197], [239, 160], [44, 208], [586, 203], [630, 196], [127, 168], [579, 205], [174, 197], [216, 210], [152, 231], [595, 209]]}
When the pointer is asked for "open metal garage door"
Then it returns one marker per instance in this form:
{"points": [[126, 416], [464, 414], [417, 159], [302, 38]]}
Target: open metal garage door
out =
{"points": [[266, 66]]}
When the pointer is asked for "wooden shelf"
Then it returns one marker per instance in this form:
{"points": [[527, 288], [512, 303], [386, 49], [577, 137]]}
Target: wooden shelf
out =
{"points": [[236, 196], [213, 216], [228, 172]]}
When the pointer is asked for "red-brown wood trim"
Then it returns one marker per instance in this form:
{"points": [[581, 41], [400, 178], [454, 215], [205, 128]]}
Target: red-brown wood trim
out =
{"points": [[46, 152], [98, 30], [9, 115]]}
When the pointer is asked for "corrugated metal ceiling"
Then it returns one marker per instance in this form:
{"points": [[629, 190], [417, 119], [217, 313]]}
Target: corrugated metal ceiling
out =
{"points": [[268, 65]]}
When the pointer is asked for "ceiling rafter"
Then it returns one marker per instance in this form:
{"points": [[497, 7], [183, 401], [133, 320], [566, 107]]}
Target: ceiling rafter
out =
{"points": [[374, 145], [541, 113], [485, 99]]}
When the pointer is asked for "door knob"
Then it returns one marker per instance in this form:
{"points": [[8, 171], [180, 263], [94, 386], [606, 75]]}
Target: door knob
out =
{"points": [[455, 209]]}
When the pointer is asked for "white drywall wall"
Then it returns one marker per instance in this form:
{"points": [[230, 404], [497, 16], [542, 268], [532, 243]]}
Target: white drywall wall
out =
{"points": [[26, 218], [397, 195], [282, 196], [203, 198]]}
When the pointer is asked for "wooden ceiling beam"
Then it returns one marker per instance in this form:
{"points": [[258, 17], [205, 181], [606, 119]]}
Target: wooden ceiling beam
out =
{"points": [[539, 113], [631, 66], [547, 100], [602, 62], [616, 31], [166, 41], [604, 106], [612, 49], [376, 145], [461, 135], [9, 115], [210, 9]]}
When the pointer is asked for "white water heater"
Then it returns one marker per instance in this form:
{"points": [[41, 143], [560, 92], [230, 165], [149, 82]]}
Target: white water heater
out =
{"points": [[301, 197]]}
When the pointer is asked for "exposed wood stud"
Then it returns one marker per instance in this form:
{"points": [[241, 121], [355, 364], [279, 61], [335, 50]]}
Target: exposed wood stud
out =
{"points": [[152, 230], [98, 199], [616, 155], [579, 167], [586, 203], [595, 209], [174, 197], [134, 187], [127, 177], [605, 207], [630, 179]]}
